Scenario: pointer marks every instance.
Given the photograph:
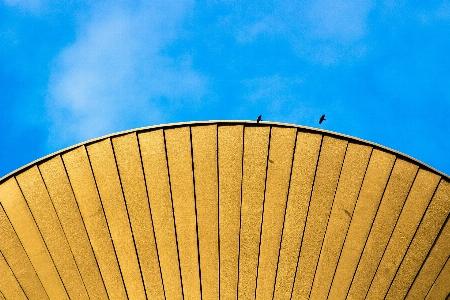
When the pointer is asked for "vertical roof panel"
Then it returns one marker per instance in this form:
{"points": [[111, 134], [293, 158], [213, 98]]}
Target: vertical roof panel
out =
{"points": [[375, 181], [44, 214], [394, 197], [420, 195], [60, 191], [132, 178], [350, 181], [9, 286], [85, 190], [22, 221], [230, 145], [256, 144], [422, 242], [156, 174], [204, 146], [282, 142], [108, 183], [329, 167], [303, 170], [178, 143]]}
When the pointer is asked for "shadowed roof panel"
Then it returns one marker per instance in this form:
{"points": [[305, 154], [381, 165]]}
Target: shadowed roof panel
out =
{"points": [[232, 208]]}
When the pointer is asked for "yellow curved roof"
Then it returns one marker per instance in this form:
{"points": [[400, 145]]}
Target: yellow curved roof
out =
{"points": [[235, 209]]}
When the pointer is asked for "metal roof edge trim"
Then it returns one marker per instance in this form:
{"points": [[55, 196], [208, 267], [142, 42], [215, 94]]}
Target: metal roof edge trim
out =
{"points": [[222, 122]]}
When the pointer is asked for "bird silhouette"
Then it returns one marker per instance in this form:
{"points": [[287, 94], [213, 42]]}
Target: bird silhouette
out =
{"points": [[322, 118], [259, 119]]}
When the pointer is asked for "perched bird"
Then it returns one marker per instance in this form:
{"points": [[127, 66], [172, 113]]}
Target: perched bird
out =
{"points": [[322, 118], [259, 119]]}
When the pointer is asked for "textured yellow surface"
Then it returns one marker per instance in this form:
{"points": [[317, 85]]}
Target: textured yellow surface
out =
{"points": [[230, 147], [135, 192], [178, 144], [60, 192], [109, 186], [225, 210], [303, 170], [352, 174], [204, 147], [256, 144], [441, 288], [155, 168], [89, 203]]}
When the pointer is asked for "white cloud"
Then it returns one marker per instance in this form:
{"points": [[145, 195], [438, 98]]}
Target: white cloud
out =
{"points": [[28, 5], [324, 31], [115, 75]]}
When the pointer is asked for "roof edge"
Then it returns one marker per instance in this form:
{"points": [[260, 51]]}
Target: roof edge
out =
{"points": [[221, 122]]}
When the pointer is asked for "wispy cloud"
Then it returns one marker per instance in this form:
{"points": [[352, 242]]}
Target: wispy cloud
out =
{"points": [[322, 31], [27, 5], [116, 76]]}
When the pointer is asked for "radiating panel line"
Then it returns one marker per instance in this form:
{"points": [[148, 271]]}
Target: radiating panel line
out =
{"points": [[412, 239], [12, 272], [434, 281], [62, 229], [106, 220], [329, 215], [26, 253], [151, 219], [128, 214], [306, 220], [230, 143], [284, 217], [428, 254], [40, 234], [84, 225], [196, 214], [173, 213], [392, 232], [371, 226], [263, 204], [386, 216], [87, 195], [240, 214], [351, 218], [428, 230]]}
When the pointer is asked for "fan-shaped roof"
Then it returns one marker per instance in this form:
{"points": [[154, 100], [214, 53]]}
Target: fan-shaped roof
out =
{"points": [[240, 209]]}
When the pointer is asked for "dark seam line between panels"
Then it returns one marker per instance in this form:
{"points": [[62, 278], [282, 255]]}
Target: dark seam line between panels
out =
{"points": [[349, 223], [306, 219], [263, 204], [62, 229], [371, 226], [82, 221], [128, 216], [218, 202], [173, 212], [284, 216], [429, 252], [151, 219], [392, 232], [328, 220], [40, 233], [106, 220], [240, 212], [12, 271], [196, 214], [412, 239], [440, 271]]}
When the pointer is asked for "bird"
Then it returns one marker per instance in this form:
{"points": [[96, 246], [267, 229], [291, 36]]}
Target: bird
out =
{"points": [[322, 118], [259, 119]]}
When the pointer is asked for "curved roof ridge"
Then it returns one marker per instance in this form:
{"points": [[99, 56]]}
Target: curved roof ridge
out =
{"points": [[225, 122]]}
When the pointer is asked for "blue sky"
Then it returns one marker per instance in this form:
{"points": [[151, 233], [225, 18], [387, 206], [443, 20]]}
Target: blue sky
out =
{"points": [[72, 71]]}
